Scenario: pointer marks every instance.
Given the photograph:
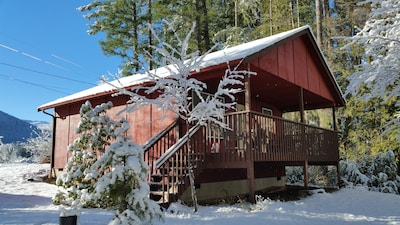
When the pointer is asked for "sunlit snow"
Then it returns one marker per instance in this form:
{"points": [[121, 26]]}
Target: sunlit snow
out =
{"points": [[29, 202]]}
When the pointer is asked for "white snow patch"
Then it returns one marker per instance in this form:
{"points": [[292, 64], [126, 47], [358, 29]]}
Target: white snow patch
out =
{"points": [[25, 202]]}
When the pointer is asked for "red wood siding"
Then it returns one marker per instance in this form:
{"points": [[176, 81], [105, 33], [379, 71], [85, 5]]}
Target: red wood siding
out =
{"points": [[144, 124], [286, 62], [61, 137], [294, 62], [300, 63]]}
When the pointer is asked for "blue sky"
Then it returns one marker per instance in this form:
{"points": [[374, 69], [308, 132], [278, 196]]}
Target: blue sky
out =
{"points": [[45, 54]]}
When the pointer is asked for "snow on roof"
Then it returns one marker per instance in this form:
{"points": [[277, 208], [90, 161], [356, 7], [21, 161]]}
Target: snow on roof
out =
{"points": [[215, 58]]}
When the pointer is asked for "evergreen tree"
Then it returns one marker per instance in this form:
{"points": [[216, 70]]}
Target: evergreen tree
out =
{"points": [[373, 87], [120, 176], [96, 132], [124, 23], [366, 128]]}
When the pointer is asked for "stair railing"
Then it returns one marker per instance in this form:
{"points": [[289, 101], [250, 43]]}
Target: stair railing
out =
{"points": [[158, 145], [173, 165]]}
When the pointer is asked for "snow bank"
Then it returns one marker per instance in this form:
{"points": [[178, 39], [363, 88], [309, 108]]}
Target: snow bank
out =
{"points": [[24, 202]]}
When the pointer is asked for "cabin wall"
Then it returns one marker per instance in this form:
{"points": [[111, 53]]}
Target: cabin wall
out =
{"points": [[257, 105], [144, 123], [222, 190], [294, 62]]}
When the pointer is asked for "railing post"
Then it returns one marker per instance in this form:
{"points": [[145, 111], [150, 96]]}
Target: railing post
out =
{"points": [[249, 160]]}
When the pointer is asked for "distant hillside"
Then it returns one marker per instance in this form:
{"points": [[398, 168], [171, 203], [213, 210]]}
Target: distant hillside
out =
{"points": [[15, 130]]}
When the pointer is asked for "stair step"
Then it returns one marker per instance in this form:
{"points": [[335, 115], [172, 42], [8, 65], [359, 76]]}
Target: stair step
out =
{"points": [[156, 197], [158, 186], [156, 177]]}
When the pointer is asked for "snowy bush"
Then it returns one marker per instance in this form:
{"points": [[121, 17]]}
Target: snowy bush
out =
{"points": [[39, 146], [15, 152], [317, 175], [8, 152], [35, 149], [378, 173], [294, 175], [351, 174]]}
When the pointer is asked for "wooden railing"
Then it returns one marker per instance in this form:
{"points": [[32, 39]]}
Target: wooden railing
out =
{"points": [[168, 157], [158, 145], [175, 168], [271, 138]]}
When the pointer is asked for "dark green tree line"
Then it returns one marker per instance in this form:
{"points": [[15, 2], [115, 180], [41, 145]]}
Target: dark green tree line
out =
{"points": [[231, 22]]}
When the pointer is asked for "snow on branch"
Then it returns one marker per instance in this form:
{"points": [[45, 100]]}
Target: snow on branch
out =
{"points": [[172, 88], [380, 39]]}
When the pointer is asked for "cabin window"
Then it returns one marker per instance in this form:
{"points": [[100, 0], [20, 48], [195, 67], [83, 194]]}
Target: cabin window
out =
{"points": [[266, 111]]}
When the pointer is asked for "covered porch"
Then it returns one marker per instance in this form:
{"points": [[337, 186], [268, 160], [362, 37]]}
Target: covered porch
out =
{"points": [[258, 137]]}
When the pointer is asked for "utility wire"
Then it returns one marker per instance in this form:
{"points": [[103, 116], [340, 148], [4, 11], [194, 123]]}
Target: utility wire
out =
{"points": [[47, 74], [31, 83]]}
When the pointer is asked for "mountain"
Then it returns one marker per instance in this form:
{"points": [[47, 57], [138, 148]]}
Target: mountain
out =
{"points": [[13, 129]]}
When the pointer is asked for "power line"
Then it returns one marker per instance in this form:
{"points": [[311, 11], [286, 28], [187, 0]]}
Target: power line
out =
{"points": [[47, 74], [34, 47], [31, 83]]}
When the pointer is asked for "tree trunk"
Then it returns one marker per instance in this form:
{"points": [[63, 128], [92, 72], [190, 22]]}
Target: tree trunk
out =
{"points": [[318, 21], [205, 30], [135, 37], [198, 24], [150, 49], [191, 175], [270, 17], [298, 13]]}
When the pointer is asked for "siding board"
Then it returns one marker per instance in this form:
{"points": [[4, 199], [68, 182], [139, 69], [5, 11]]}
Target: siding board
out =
{"points": [[300, 63]]}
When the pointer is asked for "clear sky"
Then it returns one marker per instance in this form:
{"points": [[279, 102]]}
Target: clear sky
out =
{"points": [[45, 54]]}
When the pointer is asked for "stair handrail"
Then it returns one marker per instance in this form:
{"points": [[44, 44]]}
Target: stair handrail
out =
{"points": [[175, 147], [158, 136]]}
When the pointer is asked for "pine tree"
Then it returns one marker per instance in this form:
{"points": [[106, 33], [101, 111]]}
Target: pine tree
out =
{"points": [[124, 23], [96, 132], [120, 176], [375, 81]]}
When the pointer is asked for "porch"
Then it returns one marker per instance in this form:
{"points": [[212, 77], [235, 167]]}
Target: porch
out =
{"points": [[263, 138], [254, 139]]}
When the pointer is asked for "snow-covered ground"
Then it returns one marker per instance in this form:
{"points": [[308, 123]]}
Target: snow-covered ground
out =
{"points": [[29, 202]]}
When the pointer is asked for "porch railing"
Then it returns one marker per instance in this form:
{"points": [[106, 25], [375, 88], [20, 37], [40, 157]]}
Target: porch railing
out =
{"points": [[271, 138]]}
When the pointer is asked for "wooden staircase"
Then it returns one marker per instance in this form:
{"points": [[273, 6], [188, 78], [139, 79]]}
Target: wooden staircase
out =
{"points": [[168, 159]]}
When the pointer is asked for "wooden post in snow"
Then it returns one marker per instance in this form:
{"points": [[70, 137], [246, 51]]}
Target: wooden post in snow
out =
{"points": [[249, 158], [302, 120], [305, 172]]}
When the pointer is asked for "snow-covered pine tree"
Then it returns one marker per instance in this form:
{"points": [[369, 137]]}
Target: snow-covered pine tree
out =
{"points": [[121, 177], [40, 145], [380, 38], [175, 91], [377, 173], [96, 131]]}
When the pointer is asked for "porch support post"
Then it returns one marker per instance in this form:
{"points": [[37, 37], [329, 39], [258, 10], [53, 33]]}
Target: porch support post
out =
{"points": [[247, 90], [338, 173], [301, 102], [249, 158], [335, 129], [305, 172], [334, 119]]}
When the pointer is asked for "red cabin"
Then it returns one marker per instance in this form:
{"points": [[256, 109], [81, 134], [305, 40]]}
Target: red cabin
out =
{"points": [[292, 76]]}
